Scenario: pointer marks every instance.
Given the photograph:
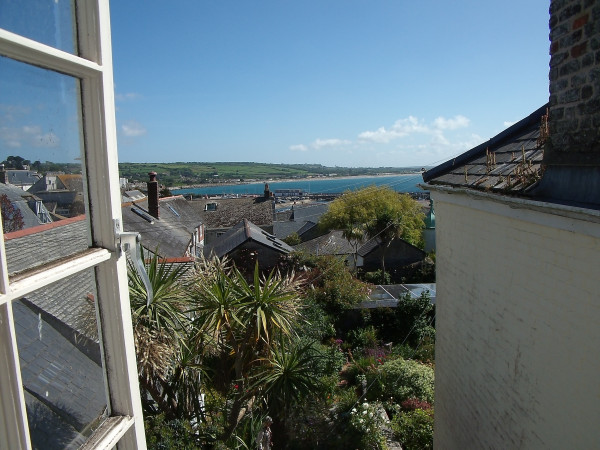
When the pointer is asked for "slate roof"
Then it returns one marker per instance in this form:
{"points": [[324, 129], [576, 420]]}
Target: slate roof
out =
{"points": [[71, 182], [22, 177], [171, 232], [241, 233], [21, 199], [310, 212], [41, 244], [306, 227], [332, 243], [510, 162], [231, 211], [374, 243], [131, 196], [57, 337], [283, 229], [299, 219], [64, 388]]}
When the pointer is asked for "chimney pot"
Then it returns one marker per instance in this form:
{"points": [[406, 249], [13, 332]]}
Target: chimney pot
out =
{"points": [[153, 195]]}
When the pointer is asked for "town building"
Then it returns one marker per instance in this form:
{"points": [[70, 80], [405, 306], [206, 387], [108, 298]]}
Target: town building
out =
{"points": [[169, 226], [245, 244]]}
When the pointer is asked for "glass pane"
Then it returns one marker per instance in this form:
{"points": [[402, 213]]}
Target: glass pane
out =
{"points": [[41, 184], [61, 368], [51, 22]]}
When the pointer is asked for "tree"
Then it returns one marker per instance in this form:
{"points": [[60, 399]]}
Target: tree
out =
{"points": [[15, 162], [240, 320], [12, 219], [375, 212]]}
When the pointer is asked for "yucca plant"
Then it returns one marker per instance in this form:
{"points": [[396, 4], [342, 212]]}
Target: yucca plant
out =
{"points": [[241, 318], [287, 375], [166, 311], [167, 365]]}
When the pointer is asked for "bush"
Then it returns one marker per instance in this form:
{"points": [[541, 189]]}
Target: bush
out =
{"points": [[366, 422], [377, 277], [414, 318], [293, 239], [315, 324], [169, 435], [414, 429], [363, 337], [400, 380], [333, 286]]}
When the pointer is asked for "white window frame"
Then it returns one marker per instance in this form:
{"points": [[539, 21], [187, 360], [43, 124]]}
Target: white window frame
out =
{"points": [[93, 67]]}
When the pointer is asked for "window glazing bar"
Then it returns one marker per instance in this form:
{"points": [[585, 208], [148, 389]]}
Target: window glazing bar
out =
{"points": [[14, 432], [32, 52], [31, 280]]}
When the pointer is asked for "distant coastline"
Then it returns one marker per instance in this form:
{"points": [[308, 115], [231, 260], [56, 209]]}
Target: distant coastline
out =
{"points": [[407, 182], [288, 180]]}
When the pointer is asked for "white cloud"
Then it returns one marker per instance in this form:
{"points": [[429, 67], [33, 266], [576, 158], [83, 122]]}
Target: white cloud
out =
{"points": [[298, 148], [30, 135], [133, 129], [320, 143], [411, 126], [508, 124], [451, 124]]}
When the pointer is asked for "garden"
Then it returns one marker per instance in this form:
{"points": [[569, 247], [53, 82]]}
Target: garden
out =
{"points": [[218, 350]]}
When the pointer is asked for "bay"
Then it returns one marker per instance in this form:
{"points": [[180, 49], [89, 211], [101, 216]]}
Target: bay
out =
{"points": [[399, 183]]}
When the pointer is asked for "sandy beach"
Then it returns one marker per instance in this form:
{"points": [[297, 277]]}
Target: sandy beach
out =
{"points": [[285, 180]]}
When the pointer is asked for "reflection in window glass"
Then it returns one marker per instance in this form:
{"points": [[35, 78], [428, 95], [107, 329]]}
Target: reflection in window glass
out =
{"points": [[42, 195], [60, 361], [50, 22]]}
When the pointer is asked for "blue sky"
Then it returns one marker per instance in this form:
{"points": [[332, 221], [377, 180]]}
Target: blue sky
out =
{"points": [[336, 82]]}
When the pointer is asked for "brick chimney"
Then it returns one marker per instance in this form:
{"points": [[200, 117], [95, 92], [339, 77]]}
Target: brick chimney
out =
{"points": [[153, 195], [572, 152]]}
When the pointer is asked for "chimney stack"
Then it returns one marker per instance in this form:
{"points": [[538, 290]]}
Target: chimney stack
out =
{"points": [[153, 195], [572, 152]]}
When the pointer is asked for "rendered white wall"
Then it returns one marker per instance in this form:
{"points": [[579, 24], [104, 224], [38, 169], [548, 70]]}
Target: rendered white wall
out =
{"points": [[518, 327]]}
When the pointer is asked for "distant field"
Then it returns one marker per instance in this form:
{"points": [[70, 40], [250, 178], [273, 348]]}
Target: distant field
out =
{"points": [[181, 173]]}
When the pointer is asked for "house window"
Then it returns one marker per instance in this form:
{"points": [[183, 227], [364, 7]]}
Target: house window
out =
{"points": [[67, 358]]}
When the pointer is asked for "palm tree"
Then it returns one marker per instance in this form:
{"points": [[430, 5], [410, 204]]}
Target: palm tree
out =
{"points": [[241, 319], [287, 374], [168, 366]]}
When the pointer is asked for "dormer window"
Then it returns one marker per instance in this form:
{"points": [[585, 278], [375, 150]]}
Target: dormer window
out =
{"points": [[210, 206]]}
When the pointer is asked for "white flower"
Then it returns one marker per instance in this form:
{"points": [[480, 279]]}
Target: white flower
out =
{"points": [[364, 412], [365, 405], [353, 410]]}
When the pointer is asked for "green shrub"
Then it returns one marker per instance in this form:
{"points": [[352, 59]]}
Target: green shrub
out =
{"points": [[293, 239], [414, 429], [345, 400], [363, 337], [315, 324], [366, 424], [162, 434], [400, 380], [377, 277]]}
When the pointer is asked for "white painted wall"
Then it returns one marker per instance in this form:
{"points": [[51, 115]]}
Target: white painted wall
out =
{"points": [[518, 324]]}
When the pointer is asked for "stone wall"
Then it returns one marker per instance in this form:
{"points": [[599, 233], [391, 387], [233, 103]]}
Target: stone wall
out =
{"points": [[517, 326], [574, 83]]}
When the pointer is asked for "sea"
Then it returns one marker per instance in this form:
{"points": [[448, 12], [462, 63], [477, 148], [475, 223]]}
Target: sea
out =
{"points": [[399, 183]]}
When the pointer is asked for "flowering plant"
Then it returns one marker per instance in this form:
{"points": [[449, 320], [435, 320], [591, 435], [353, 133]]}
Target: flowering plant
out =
{"points": [[367, 421]]}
